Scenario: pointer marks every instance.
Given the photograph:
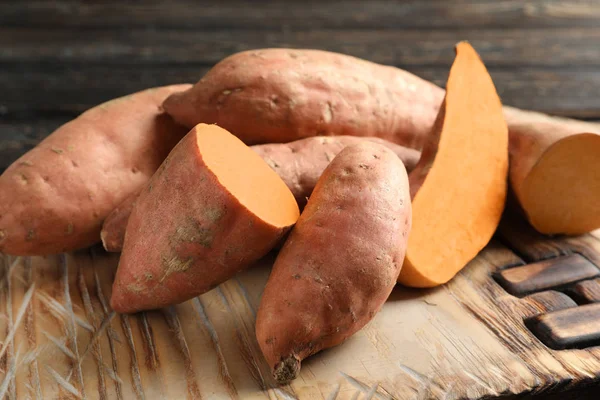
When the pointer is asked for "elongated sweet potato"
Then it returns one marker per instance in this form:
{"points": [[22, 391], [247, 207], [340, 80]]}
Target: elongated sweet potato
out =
{"points": [[299, 164], [554, 164], [459, 185], [282, 95], [55, 197], [212, 208], [341, 261]]}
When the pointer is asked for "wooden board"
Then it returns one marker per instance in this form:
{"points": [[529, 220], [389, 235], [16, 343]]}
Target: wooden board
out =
{"points": [[468, 339]]}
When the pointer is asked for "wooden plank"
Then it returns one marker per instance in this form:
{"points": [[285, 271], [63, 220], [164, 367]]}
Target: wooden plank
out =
{"points": [[296, 14], [513, 48], [548, 274], [571, 328], [74, 87]]}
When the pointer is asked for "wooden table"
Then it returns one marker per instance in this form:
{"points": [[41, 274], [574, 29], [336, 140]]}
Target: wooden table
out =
{"points": [[497, 329]]}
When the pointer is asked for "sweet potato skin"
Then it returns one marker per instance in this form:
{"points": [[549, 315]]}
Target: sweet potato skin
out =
{"points": [[115, 225], [341, 260], [299, 164], [282, 95], [55, 197], [186, 234]]}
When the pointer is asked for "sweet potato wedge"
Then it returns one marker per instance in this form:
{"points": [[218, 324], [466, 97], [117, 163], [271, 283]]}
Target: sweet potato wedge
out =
{"points": [[458, 188]]}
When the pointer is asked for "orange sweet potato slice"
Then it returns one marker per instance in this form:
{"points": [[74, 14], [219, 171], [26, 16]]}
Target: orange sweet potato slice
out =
{"points": [[459, 185]]}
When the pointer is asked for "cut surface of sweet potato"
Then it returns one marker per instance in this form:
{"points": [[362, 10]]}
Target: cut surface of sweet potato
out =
{"points": [[561, 193], [459, 184], [247, 177], [554, 164]]}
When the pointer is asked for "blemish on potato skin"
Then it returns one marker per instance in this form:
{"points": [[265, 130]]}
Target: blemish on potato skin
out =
{"points": [[57, 150], [2, 234], [296, 276], [24, 180], [26, 163], [30, 235], [175, 264], [70, 229]]}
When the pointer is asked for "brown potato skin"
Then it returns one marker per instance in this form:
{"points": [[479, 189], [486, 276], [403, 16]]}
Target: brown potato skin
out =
{"points": [[56, 196], [282, 95], [115, 225], [299, 164], [186, 234], [341, 260]]}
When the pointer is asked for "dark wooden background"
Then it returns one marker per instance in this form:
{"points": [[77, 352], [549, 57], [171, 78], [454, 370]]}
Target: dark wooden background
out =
{"points": [[58, 58]]}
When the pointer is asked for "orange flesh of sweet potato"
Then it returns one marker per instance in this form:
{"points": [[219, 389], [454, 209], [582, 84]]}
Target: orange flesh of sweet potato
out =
{"points": [[341, 260], [554, 164], [459, 185], [299, 164], [282, 95], [213, 208], [56, 196]]}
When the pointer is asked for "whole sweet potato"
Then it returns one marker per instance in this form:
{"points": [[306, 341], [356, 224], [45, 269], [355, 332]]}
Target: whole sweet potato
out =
{"points": [[341, 260], [56, 196], [282, 95], [299, 164], [212, 208]]}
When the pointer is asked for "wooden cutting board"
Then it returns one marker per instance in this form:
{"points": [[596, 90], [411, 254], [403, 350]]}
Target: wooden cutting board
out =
{"points": [[497, 328]]}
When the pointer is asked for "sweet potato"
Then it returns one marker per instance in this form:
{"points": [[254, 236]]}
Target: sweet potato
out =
{"points": [[554, 164], [341, 260], [212, 208], [298, 163], [282, 95], [55, 197], [459, 185], [115, 225]]}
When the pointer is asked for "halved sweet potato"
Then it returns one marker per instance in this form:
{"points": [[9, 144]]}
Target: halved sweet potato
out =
{"points": [[213, 208]]}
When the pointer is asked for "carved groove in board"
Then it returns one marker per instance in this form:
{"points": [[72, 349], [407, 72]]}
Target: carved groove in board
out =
{"points": [[565, 329], [586, 291], [547, 301], [547, 274]]}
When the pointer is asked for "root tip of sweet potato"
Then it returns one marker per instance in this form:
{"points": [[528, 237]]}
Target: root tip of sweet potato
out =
{"points": [[286, 370]]}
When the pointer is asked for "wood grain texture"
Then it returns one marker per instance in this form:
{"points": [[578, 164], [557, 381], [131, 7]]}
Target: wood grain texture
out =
{"points": [[272, 14], [587, 291], [467, 340], [548, 274], [572, 328]]}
